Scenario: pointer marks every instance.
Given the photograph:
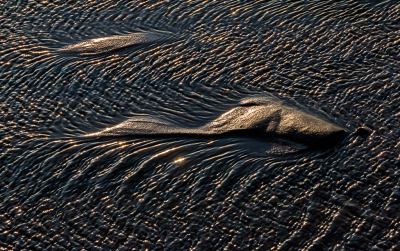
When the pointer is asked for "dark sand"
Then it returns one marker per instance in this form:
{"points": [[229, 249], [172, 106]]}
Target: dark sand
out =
{"points": [[60, 191]]}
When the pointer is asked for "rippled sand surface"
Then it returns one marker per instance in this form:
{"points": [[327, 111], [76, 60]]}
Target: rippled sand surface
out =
{"points": [[59, 191]]}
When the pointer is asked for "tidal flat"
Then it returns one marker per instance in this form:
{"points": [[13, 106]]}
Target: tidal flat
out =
{"points": [[336, 60]]}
